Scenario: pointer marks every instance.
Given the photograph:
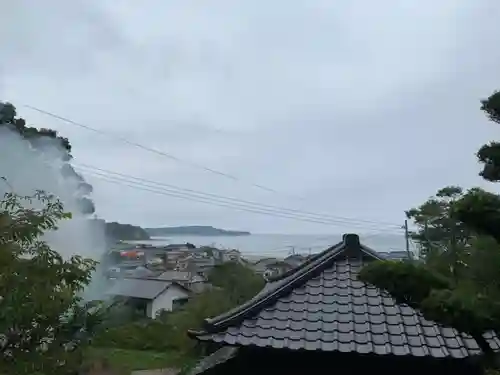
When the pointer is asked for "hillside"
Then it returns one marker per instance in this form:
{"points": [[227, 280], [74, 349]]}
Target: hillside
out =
{"points": [[193, 230], [119, 231]]}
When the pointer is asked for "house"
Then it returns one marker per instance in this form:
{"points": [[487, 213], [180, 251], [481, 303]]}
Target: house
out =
{"points": [[185, 278], [320, 317], [181, 277], [196, 265], [295, 260], [269, 267], [231, 256], [149, 295], [179, 247]]}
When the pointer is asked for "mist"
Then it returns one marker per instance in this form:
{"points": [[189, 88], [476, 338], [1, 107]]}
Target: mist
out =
{"points": [[43, 164]]}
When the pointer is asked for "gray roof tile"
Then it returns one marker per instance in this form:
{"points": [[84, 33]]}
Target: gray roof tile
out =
{"points": [[138, 288], [321, 305]]}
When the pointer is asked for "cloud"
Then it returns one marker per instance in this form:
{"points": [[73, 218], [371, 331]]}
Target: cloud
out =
{"points": [[362, 110]]}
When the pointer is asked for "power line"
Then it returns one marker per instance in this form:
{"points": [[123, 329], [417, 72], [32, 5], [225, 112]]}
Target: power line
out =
{"points": [[191, 197], [155, 151], [230, 200]]}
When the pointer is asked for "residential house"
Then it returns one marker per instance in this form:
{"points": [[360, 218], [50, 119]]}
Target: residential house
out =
{"points": [[179, 247], [270, 267], [295, 260], [202, 266], [149, 295], [186, 278], [232, 255], [213, 252], [320, 317], [197, 265]]}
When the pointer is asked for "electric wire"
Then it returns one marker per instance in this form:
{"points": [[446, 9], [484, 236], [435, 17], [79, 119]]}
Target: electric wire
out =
{"points": [[217, 202], [170, 187], [155, 151]]}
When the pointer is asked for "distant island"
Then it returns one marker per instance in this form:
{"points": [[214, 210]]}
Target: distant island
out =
{"points": [[118, 231], [193, 230]]}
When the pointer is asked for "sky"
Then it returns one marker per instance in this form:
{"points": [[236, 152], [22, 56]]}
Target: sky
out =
{"points": [[355, 110]]}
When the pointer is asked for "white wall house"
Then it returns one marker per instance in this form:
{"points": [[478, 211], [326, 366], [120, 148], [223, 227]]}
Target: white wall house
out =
{"points": [[166, 300], [151, 295]]}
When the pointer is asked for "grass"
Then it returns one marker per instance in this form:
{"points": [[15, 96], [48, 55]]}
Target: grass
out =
{"points": [[124, 360]]}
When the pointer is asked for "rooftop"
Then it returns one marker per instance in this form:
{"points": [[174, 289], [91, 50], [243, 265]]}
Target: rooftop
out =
{"points": [[138, 288], [322, 305]]}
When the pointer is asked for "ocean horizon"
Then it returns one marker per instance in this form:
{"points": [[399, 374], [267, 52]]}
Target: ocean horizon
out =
{"points": [[281, 245]]}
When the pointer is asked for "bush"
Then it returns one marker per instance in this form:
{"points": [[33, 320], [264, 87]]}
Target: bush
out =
{"points": [[145, 335], [234, 284]]}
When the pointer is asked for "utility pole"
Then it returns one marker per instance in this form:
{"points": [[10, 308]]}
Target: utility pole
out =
{"points": [[407, 240]]}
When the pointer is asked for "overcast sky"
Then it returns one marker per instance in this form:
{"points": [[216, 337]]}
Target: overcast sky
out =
{"points": [[356, 109]]}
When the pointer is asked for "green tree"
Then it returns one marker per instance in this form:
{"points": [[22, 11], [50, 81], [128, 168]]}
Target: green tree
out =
{"points": [[479, 209], [8, 118], [239, 282], [443, 240], [43, 322], [468, 300], [36, 137], [233, 284]]}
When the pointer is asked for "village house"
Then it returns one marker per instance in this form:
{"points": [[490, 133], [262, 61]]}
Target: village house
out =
{"points": [[295, 260], [321, 317], [179, 247], [232, 255], [269, 267], [150, 296], [185, 278]]}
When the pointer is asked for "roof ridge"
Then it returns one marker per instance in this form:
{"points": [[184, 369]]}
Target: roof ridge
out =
{"points": [[285, 284]]}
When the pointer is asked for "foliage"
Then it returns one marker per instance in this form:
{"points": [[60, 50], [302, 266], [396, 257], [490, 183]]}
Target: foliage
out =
{"points": [[238, 281], [37, 138], [125, 360], [43, 323], [408, 282], [234, 284], [442, 238], [439, 299], [119, 231], [480, 210], [8, 118], [464, 225], [436, 229], [489, 154]]}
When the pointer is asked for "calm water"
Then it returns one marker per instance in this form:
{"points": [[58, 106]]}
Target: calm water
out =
{"points": [[280, 245]]}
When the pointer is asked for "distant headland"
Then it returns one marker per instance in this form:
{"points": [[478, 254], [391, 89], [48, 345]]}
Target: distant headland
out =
{"points": [[193, 230]]}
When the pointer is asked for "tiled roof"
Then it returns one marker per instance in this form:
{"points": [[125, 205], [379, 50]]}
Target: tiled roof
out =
{"points": [[321, 305], [138, 288], [174, 276]]}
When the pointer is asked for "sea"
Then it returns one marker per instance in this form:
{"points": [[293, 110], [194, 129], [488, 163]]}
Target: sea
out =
{"points": [[257, 246]]}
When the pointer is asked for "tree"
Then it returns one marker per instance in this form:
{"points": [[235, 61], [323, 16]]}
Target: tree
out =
{"points": [[8, 118], [36, 137], [468, 300], [239, 282], [43, 322], [443, 240], [233, 284], [480, 210]]}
